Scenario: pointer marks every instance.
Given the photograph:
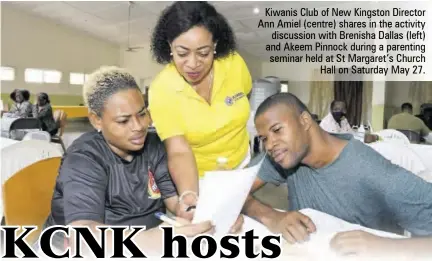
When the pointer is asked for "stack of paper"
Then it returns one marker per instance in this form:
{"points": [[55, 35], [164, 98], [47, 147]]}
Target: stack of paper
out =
{"points": [[222, 196]]}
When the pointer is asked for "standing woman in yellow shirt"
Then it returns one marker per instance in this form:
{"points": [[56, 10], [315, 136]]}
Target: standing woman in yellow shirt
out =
{"points": [[198, 102]]}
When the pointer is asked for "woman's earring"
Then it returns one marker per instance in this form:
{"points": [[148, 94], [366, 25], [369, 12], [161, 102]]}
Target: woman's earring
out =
{"points": [[170, 54], [214, 52], [99, 130]]}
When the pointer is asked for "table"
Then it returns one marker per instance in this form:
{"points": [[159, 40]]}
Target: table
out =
{"points": [[5, 142], [424, 152], [6, 122], [73, 111]]}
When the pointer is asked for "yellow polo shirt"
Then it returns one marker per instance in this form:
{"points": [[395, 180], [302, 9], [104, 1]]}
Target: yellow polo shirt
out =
{"points": [[216, 130]]}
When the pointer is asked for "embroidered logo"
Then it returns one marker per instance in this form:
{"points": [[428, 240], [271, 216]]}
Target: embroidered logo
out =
{"points": [[153, 190], [230, 100]]}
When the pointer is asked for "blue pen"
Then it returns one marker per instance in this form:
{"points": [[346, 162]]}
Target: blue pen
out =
{"points": [[166, 219]]}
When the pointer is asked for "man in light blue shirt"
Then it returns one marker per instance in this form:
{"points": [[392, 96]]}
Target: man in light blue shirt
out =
{"points": [[335, 174]]}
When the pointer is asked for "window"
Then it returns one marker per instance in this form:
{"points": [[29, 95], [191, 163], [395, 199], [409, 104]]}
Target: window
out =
{"points": [[34, 75], [284, 86], [42, 76], [52, 76], [77, 78], [7, 74]]}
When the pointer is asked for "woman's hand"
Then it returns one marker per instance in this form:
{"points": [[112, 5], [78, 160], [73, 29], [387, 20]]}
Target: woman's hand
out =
{"points": [[189, 201], [186, 206], [190, 230]]}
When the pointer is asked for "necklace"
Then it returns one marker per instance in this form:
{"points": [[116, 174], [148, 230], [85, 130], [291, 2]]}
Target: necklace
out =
{"points": [[209, 86]]}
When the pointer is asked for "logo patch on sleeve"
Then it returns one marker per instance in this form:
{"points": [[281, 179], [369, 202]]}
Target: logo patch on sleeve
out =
{"points": [[153, 190]]}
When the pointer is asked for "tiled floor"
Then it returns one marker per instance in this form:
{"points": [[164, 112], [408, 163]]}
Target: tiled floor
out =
{"points": [[275, 196]]}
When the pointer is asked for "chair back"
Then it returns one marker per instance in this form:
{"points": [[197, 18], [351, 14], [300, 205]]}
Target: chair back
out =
{"points": [[19, 155], [25, 123], [38, 135], [413, 136], [27, 195], [60, 117], [19, 127]]}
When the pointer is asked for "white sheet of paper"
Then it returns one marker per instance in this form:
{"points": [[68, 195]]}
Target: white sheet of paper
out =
{"points": [[327, 224], [222, 196], [327, 227]]}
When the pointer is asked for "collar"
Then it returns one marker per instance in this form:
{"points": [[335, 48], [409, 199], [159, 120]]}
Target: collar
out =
{"points": [[343, 136]]}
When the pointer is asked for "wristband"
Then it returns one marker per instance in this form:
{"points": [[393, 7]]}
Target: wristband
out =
{"points": [[186, 193]]}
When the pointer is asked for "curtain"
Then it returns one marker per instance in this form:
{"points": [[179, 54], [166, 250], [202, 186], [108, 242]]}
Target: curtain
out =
{"points": [[351, 92], [419, 93], [321, 94], [366, 115]]}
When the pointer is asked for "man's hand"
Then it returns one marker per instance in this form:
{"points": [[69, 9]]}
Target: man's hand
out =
{"points": [[238, 225], [294, 226], [359, 242]]}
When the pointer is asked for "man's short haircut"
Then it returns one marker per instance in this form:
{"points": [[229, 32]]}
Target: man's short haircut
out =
{"points": [[286, 98], [406, 106], [333, 104]]}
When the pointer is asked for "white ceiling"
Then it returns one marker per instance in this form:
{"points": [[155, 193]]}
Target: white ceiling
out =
{"points": [[109, 20]]}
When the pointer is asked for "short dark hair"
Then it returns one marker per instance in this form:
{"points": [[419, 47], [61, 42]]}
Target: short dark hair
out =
{"points": [[182, 16], [285, 98], [406, 106], [26, 95], [333, 103], [44, 96]]}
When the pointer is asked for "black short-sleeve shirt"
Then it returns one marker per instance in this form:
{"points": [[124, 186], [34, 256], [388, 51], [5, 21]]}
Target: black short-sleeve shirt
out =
{"points": [[96, 184]]}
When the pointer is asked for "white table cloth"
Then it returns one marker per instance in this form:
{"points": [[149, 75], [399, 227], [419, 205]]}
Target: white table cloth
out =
{"points": [[424, 152], [6, 122], [5, 142]]}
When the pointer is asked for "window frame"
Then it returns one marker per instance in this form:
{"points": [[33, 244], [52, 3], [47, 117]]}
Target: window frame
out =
{"points": [[43, 76], [13, 74], [84, 78]]}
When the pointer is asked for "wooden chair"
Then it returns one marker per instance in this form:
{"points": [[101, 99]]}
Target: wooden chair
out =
{"points": [[60, 117], [27, 195]]}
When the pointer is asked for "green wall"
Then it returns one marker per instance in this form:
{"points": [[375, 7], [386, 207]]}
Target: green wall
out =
{"points": [[377, 117]]}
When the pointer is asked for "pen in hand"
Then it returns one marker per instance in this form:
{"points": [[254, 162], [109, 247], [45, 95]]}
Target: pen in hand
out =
{"points": [[161, 216], [190, 208]]}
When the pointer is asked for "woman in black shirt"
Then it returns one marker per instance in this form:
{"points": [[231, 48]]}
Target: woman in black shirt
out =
{"points": [[117, 174], [43, 111]]}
